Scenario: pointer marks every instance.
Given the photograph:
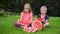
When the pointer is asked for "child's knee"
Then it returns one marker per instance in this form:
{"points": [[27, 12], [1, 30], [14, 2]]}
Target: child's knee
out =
{"points": [[46, 25]]}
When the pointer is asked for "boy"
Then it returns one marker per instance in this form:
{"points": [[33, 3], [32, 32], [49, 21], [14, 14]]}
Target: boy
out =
{"points": [[43, 11]]}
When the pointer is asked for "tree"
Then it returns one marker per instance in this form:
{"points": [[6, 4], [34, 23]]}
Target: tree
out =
{"points": [[17, 6]]}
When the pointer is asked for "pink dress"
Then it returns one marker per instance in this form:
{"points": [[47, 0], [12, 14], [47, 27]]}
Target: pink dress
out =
{"points": [[26, 18]]}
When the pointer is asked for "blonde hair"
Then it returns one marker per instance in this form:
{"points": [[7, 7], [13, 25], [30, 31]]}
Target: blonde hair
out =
{"points": [[27, 4], [44, 7]]}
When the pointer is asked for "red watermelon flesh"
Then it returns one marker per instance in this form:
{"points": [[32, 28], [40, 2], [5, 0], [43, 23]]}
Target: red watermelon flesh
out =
{"points": [[37, 24]]}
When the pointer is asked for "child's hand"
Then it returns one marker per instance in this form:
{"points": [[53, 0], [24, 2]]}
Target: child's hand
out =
{"points": [[18, 20], [43, 19]]}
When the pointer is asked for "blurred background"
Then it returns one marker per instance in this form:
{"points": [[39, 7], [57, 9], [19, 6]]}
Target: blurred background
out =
{"points": [[13, 7], [10, 12]]}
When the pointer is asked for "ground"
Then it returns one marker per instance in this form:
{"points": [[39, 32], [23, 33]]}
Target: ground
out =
{"points": [[7, 27]]}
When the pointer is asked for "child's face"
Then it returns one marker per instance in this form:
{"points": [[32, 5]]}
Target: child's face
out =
{"points": [[26, 9], [43, 11]]}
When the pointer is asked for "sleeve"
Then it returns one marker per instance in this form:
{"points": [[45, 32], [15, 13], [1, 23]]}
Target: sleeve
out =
{"points": [[46, 17], [21, 14], [38, 16], [31, 14]]}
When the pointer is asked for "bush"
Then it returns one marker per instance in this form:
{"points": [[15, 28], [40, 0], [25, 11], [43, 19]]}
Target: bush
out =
{"points": [[2, 13]]}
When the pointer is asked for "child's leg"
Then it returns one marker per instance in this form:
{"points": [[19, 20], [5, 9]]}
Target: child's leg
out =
{"points": [[27, 29], [17, 25], [46, 24]]}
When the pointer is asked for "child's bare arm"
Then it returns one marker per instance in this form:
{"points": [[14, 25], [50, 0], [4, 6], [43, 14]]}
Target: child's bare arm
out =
{"points": [[31, 20]]}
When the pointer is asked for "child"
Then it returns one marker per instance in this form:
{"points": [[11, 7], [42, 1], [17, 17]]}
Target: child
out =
{"points": [[43, 15], [26, 16]]}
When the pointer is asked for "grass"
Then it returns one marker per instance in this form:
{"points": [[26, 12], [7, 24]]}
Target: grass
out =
{"points": [[7, 27]]}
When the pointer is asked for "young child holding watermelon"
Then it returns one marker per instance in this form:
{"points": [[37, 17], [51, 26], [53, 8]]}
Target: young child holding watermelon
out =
{"points": [[43, 11], [25, 16]]}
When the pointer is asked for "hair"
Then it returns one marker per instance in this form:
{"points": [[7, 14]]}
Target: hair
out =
{"points": [[43, 7], [27, 4]]}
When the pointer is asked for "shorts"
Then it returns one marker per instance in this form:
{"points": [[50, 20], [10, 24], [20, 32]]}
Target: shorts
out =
{"points": [[43, 22]]}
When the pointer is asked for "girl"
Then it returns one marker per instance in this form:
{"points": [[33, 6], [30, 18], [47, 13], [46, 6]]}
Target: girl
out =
{"points": [[26, 16], [43, 15]]}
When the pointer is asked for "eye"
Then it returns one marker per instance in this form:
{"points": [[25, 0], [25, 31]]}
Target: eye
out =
{"points": [[26, 8]]}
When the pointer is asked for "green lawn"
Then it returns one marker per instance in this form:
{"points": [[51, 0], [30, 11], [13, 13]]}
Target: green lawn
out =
{"points": [[7, 27]]}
